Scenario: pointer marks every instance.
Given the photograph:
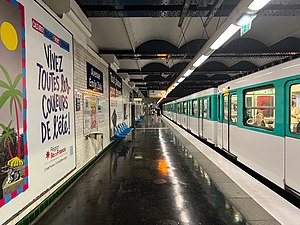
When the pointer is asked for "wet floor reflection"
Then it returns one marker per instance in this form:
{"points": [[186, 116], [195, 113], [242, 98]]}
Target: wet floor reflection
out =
{"points": [[148, 179], [228, 213]]}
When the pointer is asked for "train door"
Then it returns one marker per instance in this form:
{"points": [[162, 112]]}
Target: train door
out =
{"points": [[186, 114], [183, 116], [292, 136], [175, 112], [178, 113], [189, 115], [220, 121], [225, 124], [229, 118], [200, 117]]}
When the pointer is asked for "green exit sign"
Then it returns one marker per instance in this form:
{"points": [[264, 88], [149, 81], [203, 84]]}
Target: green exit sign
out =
{"points": [[245, 28]]}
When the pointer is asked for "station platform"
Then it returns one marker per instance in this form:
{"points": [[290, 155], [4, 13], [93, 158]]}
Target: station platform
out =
{"points": [[162, 175]]}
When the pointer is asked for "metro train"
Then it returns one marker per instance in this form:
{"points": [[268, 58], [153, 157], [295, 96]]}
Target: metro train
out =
{"points": [[254, 118]]}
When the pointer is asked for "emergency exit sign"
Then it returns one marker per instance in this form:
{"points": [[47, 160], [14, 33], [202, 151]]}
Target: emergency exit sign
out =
{"points": [[245, 28]]}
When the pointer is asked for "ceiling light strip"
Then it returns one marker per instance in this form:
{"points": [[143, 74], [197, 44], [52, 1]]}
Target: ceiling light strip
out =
{"points": [[228, 33], [255, 6]]}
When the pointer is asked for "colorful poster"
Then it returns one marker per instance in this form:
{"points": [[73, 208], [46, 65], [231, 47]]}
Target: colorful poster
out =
{"points": [[13, 124], [93, 114], [37, 137], [86, 115]]}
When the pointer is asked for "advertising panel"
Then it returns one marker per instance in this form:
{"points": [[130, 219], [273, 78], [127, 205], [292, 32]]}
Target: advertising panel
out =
{"points": [[116, 102], [37, 139], [13, 124], [157, 93]]}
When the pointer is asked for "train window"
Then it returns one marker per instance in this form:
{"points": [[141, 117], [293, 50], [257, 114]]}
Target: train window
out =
{"points": [[295, 108], [233, 111], [260, 107], [184, 108], [178, 108], [225, 116], [200, 108], [205, 108], [195, 108]]}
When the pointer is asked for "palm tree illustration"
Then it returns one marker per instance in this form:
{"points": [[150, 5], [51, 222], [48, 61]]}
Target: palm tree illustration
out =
{"points": [[7, 136], [13, 95]]}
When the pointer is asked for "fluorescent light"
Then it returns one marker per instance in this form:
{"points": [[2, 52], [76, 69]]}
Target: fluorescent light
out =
{"points": [[228, 33], [176, 84], [187, 73], [258, 4], [181, 79], [201, 60]]}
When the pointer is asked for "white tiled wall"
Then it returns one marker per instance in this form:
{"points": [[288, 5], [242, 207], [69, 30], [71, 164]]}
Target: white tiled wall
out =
{"points": [[85, 149]]}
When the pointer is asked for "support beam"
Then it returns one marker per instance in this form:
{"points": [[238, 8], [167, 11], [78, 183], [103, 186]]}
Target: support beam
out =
{"points": [[213, 12], [183, 14]]}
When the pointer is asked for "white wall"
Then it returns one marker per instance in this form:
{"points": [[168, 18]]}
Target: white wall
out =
{"points": [[79, 26], [85, 150]]}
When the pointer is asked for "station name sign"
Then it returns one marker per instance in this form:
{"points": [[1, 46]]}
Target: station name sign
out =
{"points": [[115, 84], [94, 78]]}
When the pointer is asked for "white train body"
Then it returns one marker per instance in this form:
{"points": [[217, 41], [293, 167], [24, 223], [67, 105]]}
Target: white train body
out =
{"points": [[251, 118]]}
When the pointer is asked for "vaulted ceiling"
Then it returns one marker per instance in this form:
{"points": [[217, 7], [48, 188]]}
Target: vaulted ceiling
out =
{"points": [[154, 40]]}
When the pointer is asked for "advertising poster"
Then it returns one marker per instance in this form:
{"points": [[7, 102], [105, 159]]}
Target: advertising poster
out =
{"points": [[93, 114], [86, 115], [37, 138], [50, 99], [13, 147], [116, 102]]}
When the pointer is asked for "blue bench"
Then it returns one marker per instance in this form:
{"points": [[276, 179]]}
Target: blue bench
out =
{"points": [[139, 119], [121, 131]]}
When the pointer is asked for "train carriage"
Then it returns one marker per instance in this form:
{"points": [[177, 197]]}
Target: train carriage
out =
{"points": [[255, 119]]}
